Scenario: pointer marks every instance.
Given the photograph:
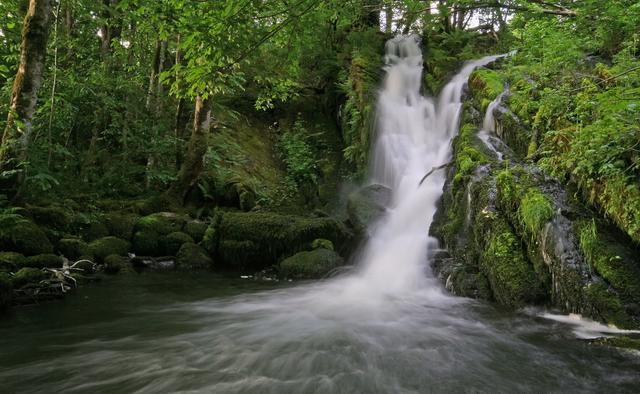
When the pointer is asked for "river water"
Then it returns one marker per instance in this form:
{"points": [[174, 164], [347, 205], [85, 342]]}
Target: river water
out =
{"points": [[385, 327]]}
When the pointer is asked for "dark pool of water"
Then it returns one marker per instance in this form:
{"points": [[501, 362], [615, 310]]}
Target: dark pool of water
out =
{"points": [[157, 333]]}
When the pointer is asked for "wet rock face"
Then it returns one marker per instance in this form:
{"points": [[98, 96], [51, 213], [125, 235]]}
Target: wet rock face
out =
{"points": [[367, 205]]}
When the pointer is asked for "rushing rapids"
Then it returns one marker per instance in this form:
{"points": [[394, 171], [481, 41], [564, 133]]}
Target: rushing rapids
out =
{"points": [[386, 327]]}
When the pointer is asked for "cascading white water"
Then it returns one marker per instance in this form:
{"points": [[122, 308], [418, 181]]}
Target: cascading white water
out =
{"points": [[414, 135]]}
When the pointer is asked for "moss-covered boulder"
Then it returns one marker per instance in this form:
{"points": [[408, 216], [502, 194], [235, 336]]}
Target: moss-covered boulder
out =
{"points": [[254, 241], [161, 223], [121, 225], [171, 243], [52, 217], [46, 260], [146, 243], [94, 230], [11, 261], [73, 248], [28, 275], [367, 205], [309, 265], [106, 246], [193, 257], [18, 234], [322, 244], [115, 263], [6, 290], [195, 229]]}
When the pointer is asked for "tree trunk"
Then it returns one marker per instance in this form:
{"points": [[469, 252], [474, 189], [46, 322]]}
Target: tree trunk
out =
{"points": [[388, 11], [28, 81], [196, 149]]}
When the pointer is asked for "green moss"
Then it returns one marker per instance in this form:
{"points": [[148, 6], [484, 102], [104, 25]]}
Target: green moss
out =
{"points": [[44, 261], [309, 265], [160, 223], [322, 244], [6, 290], [486, 85], [20, 235], [257, 240], [196, 229], [11, 261], [53, 217], [535, 210], [512, 278], [28, 275], [172, 242], [620, 342], [103, 247], [73, 248], [616, 267], [467, 156], [121, 225], [607, 306], [95, 230], [191, 256], [146, 243], [114, 264]]}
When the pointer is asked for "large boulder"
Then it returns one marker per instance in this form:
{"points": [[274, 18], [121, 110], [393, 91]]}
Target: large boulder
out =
{"points": [[103, 247], [46, 260], [367, 205], [254, 241], [18, 234], [121, 225], [150, 230], [193, 257], [11, 261], [172, 242], [309, 265], [73, 248]]}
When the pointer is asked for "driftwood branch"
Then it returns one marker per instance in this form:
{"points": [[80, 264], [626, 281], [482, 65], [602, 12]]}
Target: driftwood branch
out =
{"points": [[434, 169]]}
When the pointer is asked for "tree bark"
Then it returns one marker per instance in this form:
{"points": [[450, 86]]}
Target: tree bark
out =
{"points": [[28, 81], [196, 149]]}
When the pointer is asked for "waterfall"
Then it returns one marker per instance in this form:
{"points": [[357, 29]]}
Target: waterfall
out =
{"points": [[488, 133], [414, 135]]}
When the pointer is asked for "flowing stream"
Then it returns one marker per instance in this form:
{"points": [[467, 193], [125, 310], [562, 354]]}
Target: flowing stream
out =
{"points": [[386, 327]]}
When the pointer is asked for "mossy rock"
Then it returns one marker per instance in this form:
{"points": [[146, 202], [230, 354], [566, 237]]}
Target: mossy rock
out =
{"points": [[44, 261], [469, 284], [11, 261], [619, 342], [254, 240], [121, 225], [195, 229], [53, 217], [23, 236], [503, 260], [95, 230], [322, 244], [162, 223], [193, 257], [103, 247], [172, 242], [367, 205], [115, 263], [309, 265], [6, 290], [486, 85], [27, 275], [146, 243], [155, 204], [73, 248]]}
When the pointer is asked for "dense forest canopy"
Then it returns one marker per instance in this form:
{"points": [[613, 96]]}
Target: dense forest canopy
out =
{"points": [[128, 87]]}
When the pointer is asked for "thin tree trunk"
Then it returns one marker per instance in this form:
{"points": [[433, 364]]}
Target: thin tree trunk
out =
{"points": [[33, 50], [388, 28], [196, 149]]}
